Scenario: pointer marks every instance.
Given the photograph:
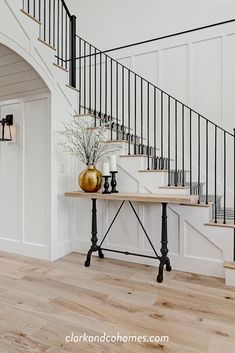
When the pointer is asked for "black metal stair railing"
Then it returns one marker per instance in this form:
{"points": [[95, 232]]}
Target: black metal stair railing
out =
{"points": [[57, 29], [158, 126], [153, 123]]}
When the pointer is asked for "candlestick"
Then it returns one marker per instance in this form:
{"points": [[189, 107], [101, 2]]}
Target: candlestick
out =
{"points": [[113, 163], [106, 171], [114, 183], [106, 184]]}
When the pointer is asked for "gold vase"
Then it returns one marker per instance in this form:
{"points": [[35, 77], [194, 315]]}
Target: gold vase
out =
{"points": [[90, 180]]}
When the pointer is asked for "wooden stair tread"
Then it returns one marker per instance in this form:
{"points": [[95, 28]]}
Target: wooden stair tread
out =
{"points": [[229, 264], [153, 171], [60, 67], [120, 141], [159, 170], [47, 44], [229, 223], [30, 16], [73, 88], [136, 155], [201, 204], [174, 187]]}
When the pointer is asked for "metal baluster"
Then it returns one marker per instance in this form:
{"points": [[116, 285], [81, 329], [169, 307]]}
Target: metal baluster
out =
{"points": [[141, 115], [176, 144], [225, 177], [80, 74], [100, 86], [49, 20], [117, 87], [89, 78], [148, 133], [155, 124], [111, 96], [169, 140], [162, 100], [39, 11], [199, 155], [66, 41], [54, 23], [129, 112], [123, 102], [62, 35], [29, 6], [84, 74], [58, 32], [207, 162], [44, 21], [183, 181], [234, 193], [95, 82], [215, 174], [190, 152], [135, 113], [34, 8], [106, 86]]}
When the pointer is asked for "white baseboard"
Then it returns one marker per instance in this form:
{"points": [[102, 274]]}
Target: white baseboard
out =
{"points": [[230, 277], [25, 249], [63, 249]]}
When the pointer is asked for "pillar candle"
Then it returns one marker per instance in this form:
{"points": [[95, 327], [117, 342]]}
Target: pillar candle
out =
{"points": [[113, 163], [106, 171]]}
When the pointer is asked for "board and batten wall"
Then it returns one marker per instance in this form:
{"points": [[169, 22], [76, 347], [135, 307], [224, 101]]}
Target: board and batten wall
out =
{"points": [[111, 23], [25, 162], [198, 69]]}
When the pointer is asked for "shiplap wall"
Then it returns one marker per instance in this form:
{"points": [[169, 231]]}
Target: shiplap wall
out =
{"points": [[17, 77]]}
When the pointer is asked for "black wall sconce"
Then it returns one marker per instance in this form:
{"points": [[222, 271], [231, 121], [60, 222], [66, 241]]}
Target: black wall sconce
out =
{"points": [[6, 123]]}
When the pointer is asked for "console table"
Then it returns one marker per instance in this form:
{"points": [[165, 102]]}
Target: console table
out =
{"points": [[130, 198]]}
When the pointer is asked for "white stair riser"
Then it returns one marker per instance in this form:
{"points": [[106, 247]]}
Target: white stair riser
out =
{"points": [[230, 277]]}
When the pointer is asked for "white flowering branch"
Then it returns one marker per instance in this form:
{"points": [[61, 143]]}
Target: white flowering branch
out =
{"points": [[85, 142]]}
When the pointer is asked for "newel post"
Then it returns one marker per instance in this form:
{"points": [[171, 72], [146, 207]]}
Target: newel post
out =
{"points": [[72, 63]]}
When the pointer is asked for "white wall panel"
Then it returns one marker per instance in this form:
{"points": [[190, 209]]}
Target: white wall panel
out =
{"points": [[25, 177], [36, 164], [229, 75], [207, 78], [194, 241], [11, 215], [175, 71], [111, 23], [147, 65]]}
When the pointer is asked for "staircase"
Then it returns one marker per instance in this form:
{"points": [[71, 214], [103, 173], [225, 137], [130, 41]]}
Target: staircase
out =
{"points": [[167, 136]]}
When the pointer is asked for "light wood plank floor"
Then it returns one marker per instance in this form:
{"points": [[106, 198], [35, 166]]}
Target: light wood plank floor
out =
{"points": [[41, 303]]}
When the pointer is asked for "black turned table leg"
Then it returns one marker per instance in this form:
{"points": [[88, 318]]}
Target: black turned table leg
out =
{"points": [[94, 247], [164, 259]]}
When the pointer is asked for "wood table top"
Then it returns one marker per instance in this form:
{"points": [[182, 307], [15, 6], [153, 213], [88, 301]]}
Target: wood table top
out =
{"points": [[138, 197]]}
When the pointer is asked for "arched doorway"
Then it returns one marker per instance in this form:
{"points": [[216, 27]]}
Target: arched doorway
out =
{"points": [[24, 162]]}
